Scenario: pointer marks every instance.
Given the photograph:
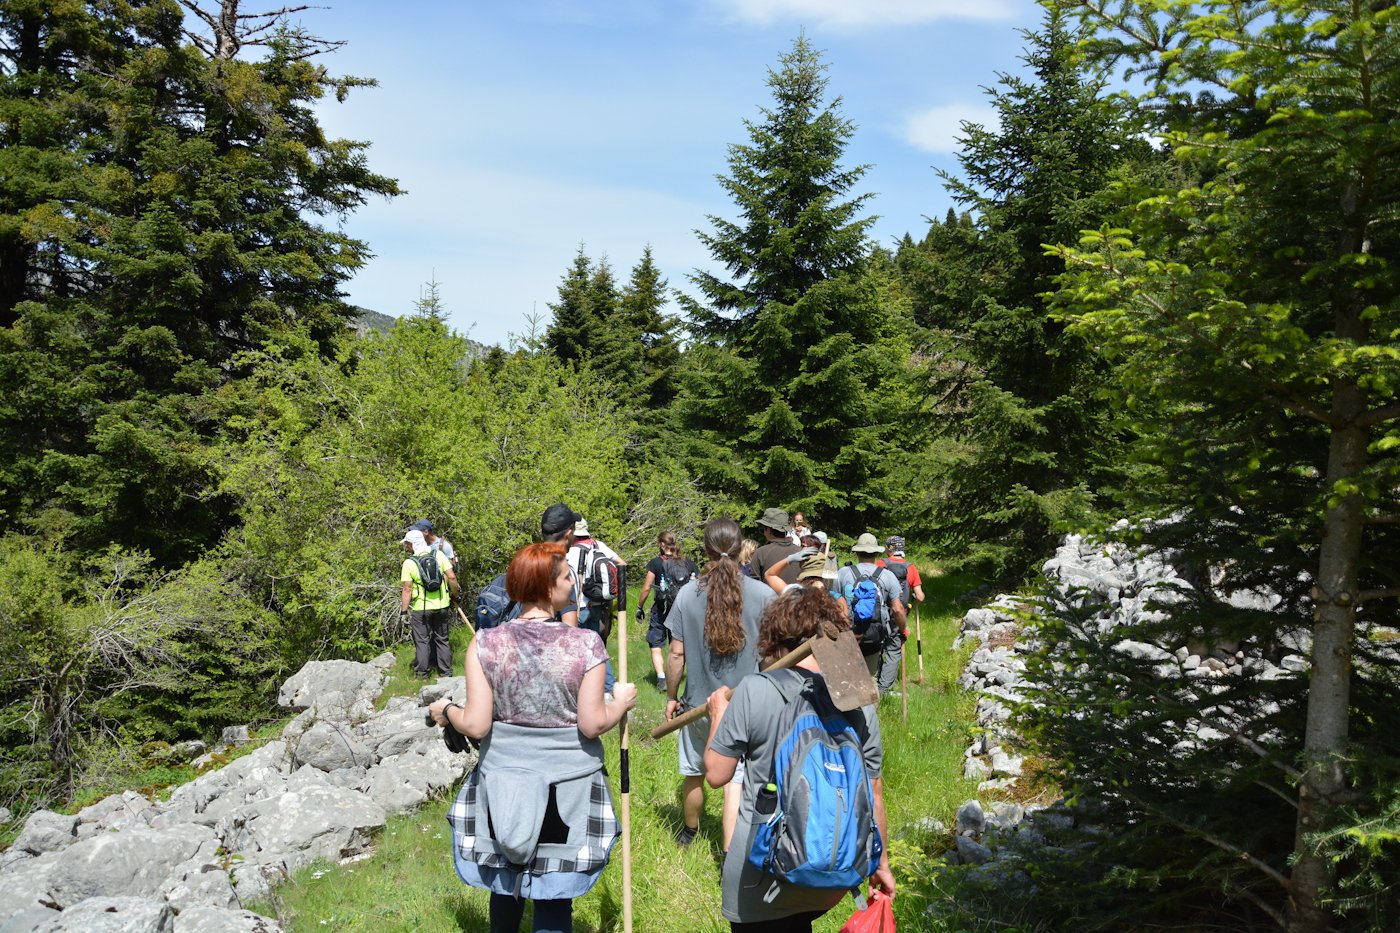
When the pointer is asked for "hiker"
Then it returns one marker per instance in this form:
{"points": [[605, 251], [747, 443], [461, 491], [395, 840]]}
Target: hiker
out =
{"points": [[535, 818], [800, 528], [593, 613], [747, 732], [811, 572], [668, 572], [908, 574], [557, 527], [876, 612], [714, 643], [436, 541], [777, 544], [426, 608], [746, 556]]}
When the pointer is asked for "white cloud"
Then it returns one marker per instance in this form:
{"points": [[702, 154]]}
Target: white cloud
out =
{"points": [[937, 129], [866, 12]]}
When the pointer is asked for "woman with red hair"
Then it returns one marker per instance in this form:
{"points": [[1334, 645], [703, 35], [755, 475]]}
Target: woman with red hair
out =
{"points": [[535, 819]]}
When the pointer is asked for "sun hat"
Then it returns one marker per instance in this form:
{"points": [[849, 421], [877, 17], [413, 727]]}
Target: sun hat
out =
{"points": [[814, 566], [866, 544], [776, 519], [581, 528], [895, 541], [415, 538]]}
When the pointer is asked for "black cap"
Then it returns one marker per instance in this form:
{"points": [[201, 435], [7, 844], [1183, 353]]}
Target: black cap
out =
{"points": [[557, 518]]}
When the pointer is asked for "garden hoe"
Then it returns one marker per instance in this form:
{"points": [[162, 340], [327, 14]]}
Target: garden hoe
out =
{"points": [[843, 667]]}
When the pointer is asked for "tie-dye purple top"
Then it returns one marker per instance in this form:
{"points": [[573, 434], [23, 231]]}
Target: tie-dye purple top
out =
{"points": [[535, 668]]}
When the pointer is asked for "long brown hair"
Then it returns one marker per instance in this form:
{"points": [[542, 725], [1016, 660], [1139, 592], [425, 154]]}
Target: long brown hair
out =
{"points": [[724, 603]]}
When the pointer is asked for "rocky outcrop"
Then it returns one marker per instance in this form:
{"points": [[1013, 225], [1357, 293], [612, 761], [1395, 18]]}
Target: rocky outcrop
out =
{"points": [[189, 863]]}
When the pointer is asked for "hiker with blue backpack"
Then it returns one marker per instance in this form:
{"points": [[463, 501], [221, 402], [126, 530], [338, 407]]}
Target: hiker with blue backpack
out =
{"points": [[874, 600], [427, 589], [813, 782]]}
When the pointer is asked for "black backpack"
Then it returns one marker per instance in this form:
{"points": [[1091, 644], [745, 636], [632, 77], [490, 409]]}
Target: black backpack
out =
{"points": [[901, 573], [429, 571], [670, 583], [598, 574]]}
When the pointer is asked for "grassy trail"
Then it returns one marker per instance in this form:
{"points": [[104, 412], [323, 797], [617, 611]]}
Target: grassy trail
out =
{"points": [[409, 884]]}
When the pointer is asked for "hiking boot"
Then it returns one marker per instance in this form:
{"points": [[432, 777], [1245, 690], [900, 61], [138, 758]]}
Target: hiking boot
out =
{"points": [[686, 836]]}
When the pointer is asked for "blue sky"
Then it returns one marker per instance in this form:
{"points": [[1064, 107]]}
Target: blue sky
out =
{"points": [[522, 130]]}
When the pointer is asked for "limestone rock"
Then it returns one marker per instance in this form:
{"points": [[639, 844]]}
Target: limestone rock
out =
{"points": [[327, 747], [46, 831], [334, 689], [24, 885], [970, 818], [131, 863], [215, 920], [315, 820], [112, 915]]}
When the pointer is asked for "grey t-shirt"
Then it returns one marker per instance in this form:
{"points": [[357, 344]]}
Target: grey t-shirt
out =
{"points": [[883, 577], [749, 731], [705, 671]]}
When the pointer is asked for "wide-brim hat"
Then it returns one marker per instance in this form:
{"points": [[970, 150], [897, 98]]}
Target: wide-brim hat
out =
{"points": [[866, 544], [814, 566], [776, 519], [415, 538], [581, 528]]}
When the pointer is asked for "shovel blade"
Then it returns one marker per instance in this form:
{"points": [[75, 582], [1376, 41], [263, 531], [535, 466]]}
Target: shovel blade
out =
{"points": [[843, 667]]}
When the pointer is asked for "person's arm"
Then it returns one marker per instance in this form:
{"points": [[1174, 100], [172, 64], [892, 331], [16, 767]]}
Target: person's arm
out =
{"points": [[719, 767], [474, 719], [883, 877], [918, 594], [452, 584], [646, 590], [405, 596], [675, 667], [773, 575], [595, 716]]}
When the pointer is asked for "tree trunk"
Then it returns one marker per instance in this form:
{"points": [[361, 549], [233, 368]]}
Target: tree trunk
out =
{"points": [[1329, 696]]}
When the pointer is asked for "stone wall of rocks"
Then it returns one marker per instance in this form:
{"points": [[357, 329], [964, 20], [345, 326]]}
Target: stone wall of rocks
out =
{"points": [[188, 864], [1120, 587]]}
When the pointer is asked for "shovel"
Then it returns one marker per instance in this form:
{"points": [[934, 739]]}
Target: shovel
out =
{"points": [[843, 667]]}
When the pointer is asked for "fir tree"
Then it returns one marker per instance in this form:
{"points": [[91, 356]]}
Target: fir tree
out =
{"points": [[782, 408]]}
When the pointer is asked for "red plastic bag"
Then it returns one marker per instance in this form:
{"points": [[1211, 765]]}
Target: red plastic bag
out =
{"points": [[877, 917]]}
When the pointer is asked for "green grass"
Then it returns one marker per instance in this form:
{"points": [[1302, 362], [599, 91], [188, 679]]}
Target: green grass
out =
{"points": [[409, 883]]}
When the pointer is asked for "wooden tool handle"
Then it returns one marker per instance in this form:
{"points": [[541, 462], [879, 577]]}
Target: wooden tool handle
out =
{"points": [[791, 659]]}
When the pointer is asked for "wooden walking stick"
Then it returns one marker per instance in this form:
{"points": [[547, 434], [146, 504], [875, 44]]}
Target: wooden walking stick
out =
{"points": [[919, 640], [624, 764], [903, 691]]}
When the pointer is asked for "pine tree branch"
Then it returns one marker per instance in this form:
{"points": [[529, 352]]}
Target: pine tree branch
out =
{"points": [[1366, 596], [1274, 913], [1221, 844]]}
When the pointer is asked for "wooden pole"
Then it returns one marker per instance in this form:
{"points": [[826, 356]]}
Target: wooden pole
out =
{"points": [[700, 712], [919, 640], [903, 689], [625, 764]]}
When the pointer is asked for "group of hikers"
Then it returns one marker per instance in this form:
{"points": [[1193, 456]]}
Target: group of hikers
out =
{"points": [[535, 819]]}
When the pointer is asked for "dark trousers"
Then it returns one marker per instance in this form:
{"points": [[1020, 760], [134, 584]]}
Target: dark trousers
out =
{"points": [[793, 923], [430, 646], [550, 916]]}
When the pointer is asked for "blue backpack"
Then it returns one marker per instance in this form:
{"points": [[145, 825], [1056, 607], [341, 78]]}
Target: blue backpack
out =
{"points": [[816, 820], [868, 610], [493, 605]]}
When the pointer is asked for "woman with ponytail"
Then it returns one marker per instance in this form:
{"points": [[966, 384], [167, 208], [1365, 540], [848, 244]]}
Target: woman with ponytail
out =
{"points": [[714, 643]]}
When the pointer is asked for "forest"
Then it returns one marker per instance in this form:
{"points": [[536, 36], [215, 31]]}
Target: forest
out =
{"points": [[1166, 312]]}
